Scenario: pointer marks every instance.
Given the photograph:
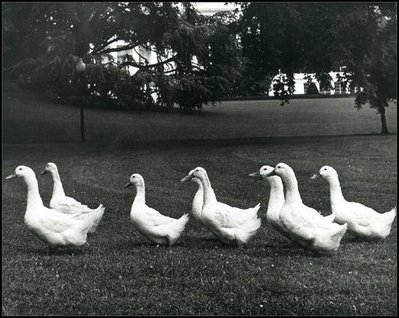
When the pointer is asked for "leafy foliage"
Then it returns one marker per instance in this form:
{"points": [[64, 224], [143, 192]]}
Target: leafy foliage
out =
{"points": [[196, 55], [318, 37]]}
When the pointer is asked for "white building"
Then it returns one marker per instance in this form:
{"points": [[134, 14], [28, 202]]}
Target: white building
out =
{"points": [[144, 56], [210, 8], [302, 84], [139, 54]]}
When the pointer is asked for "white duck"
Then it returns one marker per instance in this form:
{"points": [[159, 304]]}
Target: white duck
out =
{"points": [[229, 224], [362, 221], [60, 202], [198, 201], [276, 198], [51, 226], [158, 228], [305, 225]]}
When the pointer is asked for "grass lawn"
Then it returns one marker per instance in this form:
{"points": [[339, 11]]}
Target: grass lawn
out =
{"points": [[31, 118], [122, 273]]}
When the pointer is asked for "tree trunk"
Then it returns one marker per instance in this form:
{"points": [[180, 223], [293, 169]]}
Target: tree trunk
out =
{"points": [[384, 127]]}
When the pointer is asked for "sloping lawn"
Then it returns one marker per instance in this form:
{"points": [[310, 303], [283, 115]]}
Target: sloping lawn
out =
{"points": [[28, 117], [120, 272]]}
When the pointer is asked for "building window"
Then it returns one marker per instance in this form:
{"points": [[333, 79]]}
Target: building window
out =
{"points": [[325, 91], [122, 56], [305, 87], [352, 90], [144, 55], [337, 88]]}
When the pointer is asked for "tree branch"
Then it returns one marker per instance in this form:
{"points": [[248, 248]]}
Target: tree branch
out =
{"points": [[131, 63], [118, 49], [104, 45], [146, 60]]}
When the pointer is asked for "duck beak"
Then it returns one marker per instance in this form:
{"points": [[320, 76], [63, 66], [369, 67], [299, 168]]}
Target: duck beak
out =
{"points": [[127, 184], [256, 176], [186, 178], [43, 172], [273, 173], [315, 176], [11, 176]]}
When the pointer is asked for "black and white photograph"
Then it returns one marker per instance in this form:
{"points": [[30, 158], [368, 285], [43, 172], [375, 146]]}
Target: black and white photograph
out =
{"points": [[199, 158]]}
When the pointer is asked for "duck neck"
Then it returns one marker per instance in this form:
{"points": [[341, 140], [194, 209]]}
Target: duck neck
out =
{"points": [[335, 190], [200, 190], [209, 194], [58, 189], [276, 197], [292, 191], [34, 198], [199, 195], [140, 193]]}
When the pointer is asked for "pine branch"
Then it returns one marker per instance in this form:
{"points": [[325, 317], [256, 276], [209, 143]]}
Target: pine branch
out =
{"points": [[104, 45], [132, 63], [118, 49], [146, 60]]}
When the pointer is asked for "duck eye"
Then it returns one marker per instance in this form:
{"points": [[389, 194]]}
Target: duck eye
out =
{"points": [[325, 169]]}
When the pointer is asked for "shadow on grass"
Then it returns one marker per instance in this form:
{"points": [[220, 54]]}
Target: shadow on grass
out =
{"points": [[360, 241], [352, 239], [250, 249], [143, 243], [187, 241], [59, 251]]}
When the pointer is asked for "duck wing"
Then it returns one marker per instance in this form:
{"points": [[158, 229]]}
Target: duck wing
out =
{"points": [[312, 218], [297, 227], [231, 217], [70, 205], [360, 214], [58, 222], [153, 218]]}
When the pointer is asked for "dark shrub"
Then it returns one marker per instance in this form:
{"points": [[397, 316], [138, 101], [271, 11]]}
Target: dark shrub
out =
{"points": [[312, 89]]}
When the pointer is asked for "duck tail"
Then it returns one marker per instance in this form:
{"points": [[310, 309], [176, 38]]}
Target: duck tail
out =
{"points": [[390, 215], [97, 215], [337, 236], [253, 212], [250, 230], [179, 228], [80, 234]]}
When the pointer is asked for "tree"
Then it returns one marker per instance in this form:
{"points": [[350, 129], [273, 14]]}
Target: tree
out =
{"points": [[374, 69], [318, 37], [189, 72]]}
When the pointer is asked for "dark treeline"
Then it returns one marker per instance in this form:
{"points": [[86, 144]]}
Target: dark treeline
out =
{"points": [[201, 59]]}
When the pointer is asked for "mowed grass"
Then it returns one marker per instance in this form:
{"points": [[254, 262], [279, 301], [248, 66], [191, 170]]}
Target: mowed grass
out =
{"points": [[29, 117], [120, 272]]}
